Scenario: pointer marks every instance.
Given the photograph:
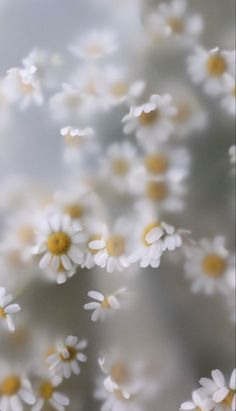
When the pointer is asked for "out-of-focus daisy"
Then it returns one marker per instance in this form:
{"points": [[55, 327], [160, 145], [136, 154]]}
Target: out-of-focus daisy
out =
{"points": [[15, 390], [22, 86], [67, 357], [48, 394], [222, 394], [117, 165], [59, 240], [172, 20], [210, 66], [4, 106], [229, 94], [67, 104], [96, 230], [210, 266], [95, 45], [7, 309], [152, 121], [78, 144], [104, 304], [198, 403], [112, 249]]}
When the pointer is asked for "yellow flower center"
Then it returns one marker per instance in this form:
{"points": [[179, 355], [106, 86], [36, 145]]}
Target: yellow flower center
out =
{"points": [[115, 245], [26, 88], [156, 190], [72, 354], [156, 163], [26, 234], [213, 265], [74, 210], [119, 373], [183, 112], [120, 167], [147, 230], [229, 399], [216, 65], [2, 313], [176, 25], [119, 89], [58, 243], [148, 119], [105, 304], [72, 140], [46, 390], [10, 385], [94, 49]]}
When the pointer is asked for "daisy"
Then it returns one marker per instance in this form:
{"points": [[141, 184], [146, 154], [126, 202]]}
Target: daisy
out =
{"points": [[96, 230], [117, 165], [104, 304], [78, 143], [229, 94], [48, 394], [22, 86], [198, 403], [59, 240], [152, 121], [15, 390], [94, 45], [210, 266], [173, 20], [118, 400], [221, 392], [7, 309], [67, 357], [210, 66], [112, 248], [67, 104]]}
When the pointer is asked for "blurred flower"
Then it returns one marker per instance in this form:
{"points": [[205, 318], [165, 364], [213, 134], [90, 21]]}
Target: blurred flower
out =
{"points": [[229, 94], [95, 45], [47, 393], [7, 309], [197, 403]]}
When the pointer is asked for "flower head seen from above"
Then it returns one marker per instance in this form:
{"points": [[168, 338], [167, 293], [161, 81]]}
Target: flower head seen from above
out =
{"points": [[67, 357], [95, 45], [219, 391], [104, 305], [49, 394], [7, 309]]}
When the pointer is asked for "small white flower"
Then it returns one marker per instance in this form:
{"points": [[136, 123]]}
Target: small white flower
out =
{"points": [[209, 67], [15, 390], [95, 45], [7, 309], [198, 403], [152, 121], [221, 393], [48, 394], [67, 357], [67, 104], [78, 144], [229, 94], [59, 240], [104, 304], [210, 266]]}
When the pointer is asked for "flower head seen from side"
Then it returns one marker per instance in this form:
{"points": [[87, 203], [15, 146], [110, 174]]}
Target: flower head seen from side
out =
{"points": [[152, 121], [60, 242], [15, 390], [67, 357], [104, 305], [7, 309], [198, 403], [95, 45], [210, 266], [208, 67], [47, 393], [222, 393]]}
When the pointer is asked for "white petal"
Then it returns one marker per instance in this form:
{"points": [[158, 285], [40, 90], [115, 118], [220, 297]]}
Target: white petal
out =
{"points": [[13, 308], [114, 303], [71, 340], [45, 261], [61, 399], [96, 295], [218, 377], [91, 306], [232, 383], [154, 235], [27, 396], [66, 262], [220, 394]]}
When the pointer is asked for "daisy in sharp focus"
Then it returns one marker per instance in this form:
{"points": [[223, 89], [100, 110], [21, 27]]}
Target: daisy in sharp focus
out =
{"points": [[95, 45], [59, 240], [47, 393], [209, 67], [152, 121], [7, 309], [210, 266], [104, 305], [223, 394], [198, 403], [65, 361], [15, 389]]}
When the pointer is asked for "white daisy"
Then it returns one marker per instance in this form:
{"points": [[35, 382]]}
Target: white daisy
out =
{"points": [[112, 248], [95, 230], [7, 309], [67, 357], [210, 66], [229, 94], [15, 390], [67, 104], [152, 121], [210, 266], [48, 394], [22, 86], [95, 45], [104, 304], [78, 143], [60, 241], [221, 392], [198, 403]]}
